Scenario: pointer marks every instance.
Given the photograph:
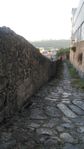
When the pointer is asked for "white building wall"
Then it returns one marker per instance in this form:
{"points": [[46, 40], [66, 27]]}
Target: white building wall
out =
{"points": [[78, 23]]}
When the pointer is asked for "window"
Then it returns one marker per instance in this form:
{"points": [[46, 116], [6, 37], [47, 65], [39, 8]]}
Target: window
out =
{"points": [[73, 49]]}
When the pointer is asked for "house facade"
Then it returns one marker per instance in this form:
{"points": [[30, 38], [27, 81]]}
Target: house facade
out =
{"points": [[77, 38]]}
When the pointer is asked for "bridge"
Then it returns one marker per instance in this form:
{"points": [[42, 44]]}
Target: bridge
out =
{"points": [[52, 118]]}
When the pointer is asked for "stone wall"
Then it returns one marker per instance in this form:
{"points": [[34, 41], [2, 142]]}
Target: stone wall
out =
{"points": [[23, 70], [77, 57]]}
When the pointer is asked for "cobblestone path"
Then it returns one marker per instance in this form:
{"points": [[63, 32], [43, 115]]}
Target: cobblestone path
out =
{"points": [[54, 120]]}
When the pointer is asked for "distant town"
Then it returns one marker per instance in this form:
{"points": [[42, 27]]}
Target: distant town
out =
{"points": [[49, 48], [51, 54]]}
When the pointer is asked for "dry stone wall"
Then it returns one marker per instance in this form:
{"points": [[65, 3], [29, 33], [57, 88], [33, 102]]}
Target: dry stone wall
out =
{"points": [[23, 70]]}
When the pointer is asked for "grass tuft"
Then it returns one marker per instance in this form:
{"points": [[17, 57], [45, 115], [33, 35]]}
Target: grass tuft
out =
{"points": [[76, 80]]}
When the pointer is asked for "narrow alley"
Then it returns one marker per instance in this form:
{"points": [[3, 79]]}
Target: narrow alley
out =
{"points": [[54, 120]]}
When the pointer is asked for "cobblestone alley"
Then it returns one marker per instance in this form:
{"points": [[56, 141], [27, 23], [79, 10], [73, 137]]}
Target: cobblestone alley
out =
{"points": [[54, 120]]}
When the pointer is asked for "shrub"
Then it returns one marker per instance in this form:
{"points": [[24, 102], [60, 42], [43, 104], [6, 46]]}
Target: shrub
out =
{"points": [[62, 52]]}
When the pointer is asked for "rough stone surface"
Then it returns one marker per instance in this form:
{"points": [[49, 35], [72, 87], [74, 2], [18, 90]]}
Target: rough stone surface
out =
{"points": [[70, 146], [66, 110], [67, 137], [43, 125], [23, 70], [79, 104]]}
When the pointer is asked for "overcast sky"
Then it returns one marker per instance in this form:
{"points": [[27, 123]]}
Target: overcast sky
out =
{"points": [[38, 19]]}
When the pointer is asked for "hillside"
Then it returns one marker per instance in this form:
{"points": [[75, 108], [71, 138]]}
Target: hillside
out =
{"points": [[48, 44]]}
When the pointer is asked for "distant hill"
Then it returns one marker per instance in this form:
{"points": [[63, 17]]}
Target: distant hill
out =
{"points": [[48, 44]]}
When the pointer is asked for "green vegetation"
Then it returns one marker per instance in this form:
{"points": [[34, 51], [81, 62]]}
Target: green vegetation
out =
{"points": [[62, 52], [49, 44], [76, 80]]}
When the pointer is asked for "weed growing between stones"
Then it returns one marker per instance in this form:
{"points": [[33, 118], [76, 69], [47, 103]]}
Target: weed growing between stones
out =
{"points": [[76, 80]]}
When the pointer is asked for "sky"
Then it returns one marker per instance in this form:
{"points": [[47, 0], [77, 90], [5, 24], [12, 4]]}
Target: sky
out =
{"points": [[38, 19]]}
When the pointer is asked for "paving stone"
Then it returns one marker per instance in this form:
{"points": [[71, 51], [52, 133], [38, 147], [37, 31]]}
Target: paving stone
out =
{"points": [[53, 93], [49, 124], [43, 137], [67, 112], [52, 111], [37, 114], [52, 99], [65, 119], [67, 125], [60, 129], [34, 125], [66, 137], [8, 145], [66, 101], [79, 121], [80, 146], [70, 146], [79, 103], [66, 94], [50, 143], [44, 131], [81, 139], [73, 146], [81, 129], [76, 109], [6, 136]]}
